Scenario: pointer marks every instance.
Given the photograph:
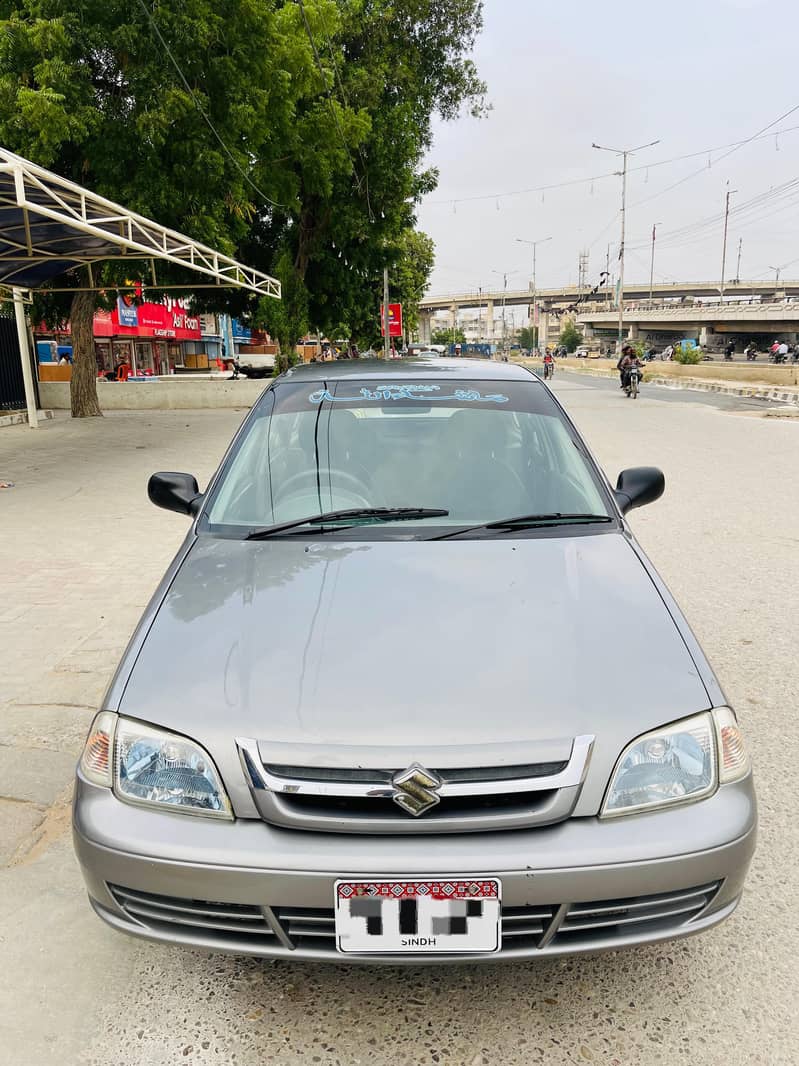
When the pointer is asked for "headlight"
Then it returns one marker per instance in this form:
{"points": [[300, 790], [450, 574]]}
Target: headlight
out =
{"points": [[680, 763], [153, 767]]}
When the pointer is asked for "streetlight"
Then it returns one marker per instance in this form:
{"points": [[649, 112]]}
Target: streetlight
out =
{"points": [[778, 271], [652, 264], [623, 152], [534, 244]]}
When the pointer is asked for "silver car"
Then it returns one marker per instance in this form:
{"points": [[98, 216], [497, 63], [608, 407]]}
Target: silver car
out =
{"points": [[411, 692]]}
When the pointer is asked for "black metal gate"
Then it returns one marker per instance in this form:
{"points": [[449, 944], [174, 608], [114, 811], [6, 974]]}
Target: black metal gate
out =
{"points": [[12, 385]]}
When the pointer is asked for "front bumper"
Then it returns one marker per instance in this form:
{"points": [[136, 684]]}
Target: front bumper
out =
{"points": [[583, 885]]}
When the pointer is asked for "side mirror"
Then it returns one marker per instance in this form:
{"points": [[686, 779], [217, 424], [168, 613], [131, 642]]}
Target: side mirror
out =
{"points": [[175, 492], [639, 486]]}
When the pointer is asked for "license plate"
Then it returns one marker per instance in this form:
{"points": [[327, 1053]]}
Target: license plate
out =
{"points": [[417, 917]]}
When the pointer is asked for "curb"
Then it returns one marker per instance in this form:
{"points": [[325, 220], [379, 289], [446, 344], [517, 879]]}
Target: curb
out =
{"points": [[19, 418], [762, 392]]}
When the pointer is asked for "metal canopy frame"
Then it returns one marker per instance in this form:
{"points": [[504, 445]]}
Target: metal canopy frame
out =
{"points": [[45, 221], [49, 225]]}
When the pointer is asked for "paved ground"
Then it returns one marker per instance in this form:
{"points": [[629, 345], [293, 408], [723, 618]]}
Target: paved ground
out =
{"points": [[721, 401], [80, 551]]}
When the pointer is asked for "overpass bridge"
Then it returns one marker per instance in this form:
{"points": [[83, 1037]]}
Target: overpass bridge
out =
{"points": [[755, 307], [712, 325]]}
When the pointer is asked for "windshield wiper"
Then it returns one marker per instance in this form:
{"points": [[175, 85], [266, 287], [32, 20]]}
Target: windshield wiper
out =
{"points": [[528, 521], [378, 514]]}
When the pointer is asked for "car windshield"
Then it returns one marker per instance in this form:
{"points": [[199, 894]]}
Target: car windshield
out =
{"points": [[480, 450]]}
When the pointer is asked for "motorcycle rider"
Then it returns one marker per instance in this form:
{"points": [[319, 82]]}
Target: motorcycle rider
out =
{"points": [[629, 359], [549, 363]]}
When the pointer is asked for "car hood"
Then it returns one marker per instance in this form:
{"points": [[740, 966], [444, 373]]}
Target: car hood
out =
{"points": [[471, 652]]}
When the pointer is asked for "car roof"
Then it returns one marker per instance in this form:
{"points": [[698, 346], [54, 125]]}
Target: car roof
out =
{"points": [[400, 369]]}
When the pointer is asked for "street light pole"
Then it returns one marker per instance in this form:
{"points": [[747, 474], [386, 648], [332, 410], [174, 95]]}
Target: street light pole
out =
{"points": [[738, 268], [778, 271], [724, 242], [534, 245], [652, 264], [624, 153]]}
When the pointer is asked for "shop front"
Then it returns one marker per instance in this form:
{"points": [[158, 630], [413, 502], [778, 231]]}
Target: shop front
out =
{"points": [[151, 339]]}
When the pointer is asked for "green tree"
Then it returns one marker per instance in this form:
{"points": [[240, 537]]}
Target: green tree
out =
{"points": [[447, 336], [87, 89], [528, 337], [290, 132], [570, 336], [388, 67]]}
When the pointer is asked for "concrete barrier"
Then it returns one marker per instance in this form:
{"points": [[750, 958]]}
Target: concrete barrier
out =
{"points": [[161, 394]]}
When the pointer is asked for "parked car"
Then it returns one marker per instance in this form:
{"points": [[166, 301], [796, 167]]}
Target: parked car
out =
{"points": [[256, 364], [314, 748]]}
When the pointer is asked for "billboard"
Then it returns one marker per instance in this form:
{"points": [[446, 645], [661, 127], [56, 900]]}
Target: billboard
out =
{"points": [[394, 320]]}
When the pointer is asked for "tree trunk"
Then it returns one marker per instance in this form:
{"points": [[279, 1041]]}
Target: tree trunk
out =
{"points": [[83, 387]]}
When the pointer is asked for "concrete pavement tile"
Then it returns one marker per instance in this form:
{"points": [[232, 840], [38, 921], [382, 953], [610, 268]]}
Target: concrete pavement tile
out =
{"points": [[35, 774], [62, 959], [17, 822], [51, 727], [81, 690]]}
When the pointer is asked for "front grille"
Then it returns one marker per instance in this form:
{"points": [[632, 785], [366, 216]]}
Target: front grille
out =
{"points": [[383, 777], [539, 927], [228, 923], [620, 917], [375, 800], [527, 804]]}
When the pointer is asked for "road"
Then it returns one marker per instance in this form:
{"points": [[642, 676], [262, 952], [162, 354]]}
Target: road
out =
{"points": [[80, 551], [720, 401]]}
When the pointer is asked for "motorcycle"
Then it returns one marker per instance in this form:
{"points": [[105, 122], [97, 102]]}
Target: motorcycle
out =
{"points": [[549, 370], [631, 387]]}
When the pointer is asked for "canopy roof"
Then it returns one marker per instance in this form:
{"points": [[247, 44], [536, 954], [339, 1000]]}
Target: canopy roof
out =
{"points": [[49, 225]]}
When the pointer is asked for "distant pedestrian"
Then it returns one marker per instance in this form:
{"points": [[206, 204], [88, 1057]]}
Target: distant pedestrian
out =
{"points": [[729, 351]]}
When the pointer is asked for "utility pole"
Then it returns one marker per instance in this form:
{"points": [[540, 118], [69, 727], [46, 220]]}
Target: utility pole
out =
{"points": [[534, 246], [582, 272], [652, 264], [480, 314], [624, 153], [386, 338], [738, 268], [724, 242], [607, 276]]}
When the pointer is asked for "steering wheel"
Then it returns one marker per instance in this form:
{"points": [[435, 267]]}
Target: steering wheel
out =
{"points": [[348, 482]]}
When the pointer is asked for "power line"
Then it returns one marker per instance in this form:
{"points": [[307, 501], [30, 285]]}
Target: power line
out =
{"points": [[201, 109], [733, 146], [326, 88], [695, 231], [346, 101]]}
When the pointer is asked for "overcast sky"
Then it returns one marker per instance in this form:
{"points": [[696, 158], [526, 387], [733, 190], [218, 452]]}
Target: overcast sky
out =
{"points": [[695, 74]]}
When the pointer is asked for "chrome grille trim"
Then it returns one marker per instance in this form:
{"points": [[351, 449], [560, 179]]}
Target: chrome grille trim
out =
{"points": [[478, 802], [261, 777], [275, 930]]}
